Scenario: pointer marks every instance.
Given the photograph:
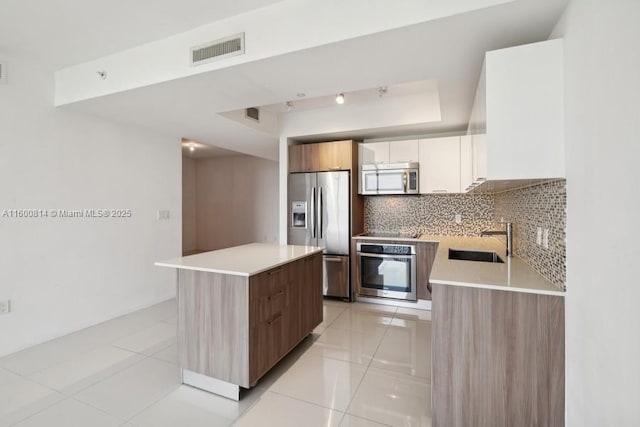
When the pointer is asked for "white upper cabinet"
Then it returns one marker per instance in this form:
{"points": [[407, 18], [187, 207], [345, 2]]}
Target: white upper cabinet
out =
{"points": [[440, 165], [376, 152], [466, 163], [479, 157], [403, 151], [520, 107]]}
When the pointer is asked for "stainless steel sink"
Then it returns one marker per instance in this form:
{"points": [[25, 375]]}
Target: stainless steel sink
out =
{"points": [[470, 255]]}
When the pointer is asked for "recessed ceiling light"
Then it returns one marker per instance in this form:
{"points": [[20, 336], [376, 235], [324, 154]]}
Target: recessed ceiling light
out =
{"points": [[340, 98], [301, 94]]}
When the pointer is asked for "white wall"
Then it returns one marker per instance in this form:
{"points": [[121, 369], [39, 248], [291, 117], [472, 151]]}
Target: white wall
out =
{"points": [[189, 205], [63, 274], [237, 201], [602, 66]]}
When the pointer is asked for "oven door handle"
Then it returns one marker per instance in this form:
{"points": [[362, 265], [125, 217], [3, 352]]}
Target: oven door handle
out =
{"points": [[400, 256]]}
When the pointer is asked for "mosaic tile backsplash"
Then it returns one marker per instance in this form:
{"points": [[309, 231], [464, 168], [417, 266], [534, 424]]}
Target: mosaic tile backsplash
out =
{"points": [[429, 214], [542, 205]]}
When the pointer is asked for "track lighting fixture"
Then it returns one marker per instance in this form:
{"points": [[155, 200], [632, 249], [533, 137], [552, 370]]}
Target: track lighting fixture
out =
{"points": [[340, 98]]}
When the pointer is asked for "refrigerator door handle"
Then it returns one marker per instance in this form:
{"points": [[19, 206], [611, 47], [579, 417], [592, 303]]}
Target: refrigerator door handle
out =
{"points": [[320, 211], [313, 211]]}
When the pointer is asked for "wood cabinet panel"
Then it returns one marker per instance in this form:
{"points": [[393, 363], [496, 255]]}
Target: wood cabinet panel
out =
{"points": [[334, 155], [322, 156], [213, 328], [498, 358], [287, 307], [425, 254], [304, 158]]}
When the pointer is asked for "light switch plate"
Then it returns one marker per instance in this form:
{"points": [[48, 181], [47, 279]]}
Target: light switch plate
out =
{"points": [[545, 238], [164, 214]]}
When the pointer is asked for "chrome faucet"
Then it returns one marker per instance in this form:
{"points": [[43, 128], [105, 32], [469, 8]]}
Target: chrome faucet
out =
{"points": [[507, 232]]}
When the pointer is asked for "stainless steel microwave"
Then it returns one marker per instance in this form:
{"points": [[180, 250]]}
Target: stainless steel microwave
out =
{"points": [[390, 178]]}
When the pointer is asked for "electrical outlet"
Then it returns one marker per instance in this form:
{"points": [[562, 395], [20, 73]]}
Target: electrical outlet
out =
{"points": [[458, 219], [164, 214], [545, 238], [539, 236], [5, 307]]}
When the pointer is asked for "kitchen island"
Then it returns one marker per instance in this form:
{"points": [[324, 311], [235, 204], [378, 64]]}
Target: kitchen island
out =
{"points": [[497, 340], [241, 309]]}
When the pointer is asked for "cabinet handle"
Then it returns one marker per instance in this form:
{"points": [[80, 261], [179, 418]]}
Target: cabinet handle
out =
{"points": [[333, 259], [439, 191], [272, 272], [275, 319]]}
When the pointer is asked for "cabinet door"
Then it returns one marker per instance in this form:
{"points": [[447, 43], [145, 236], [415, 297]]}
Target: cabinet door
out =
{"points": [[440, 165], [376, 152], [303, 158], [334, 155], [479, 146], [466, 163], [425, 254], [403, 151], [310, 283]]}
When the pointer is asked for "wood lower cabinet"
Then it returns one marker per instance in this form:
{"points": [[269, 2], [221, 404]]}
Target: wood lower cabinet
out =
{"points": [[285, 305], [497, 358], [235, 328]]}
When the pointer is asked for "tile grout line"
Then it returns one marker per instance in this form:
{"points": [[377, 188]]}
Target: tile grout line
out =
{"points": [[386, 329]]}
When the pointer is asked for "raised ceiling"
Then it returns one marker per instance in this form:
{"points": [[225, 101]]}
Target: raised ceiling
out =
{"points": [[448, 51]]}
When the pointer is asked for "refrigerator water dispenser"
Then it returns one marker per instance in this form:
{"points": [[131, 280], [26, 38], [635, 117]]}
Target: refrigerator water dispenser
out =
{"points": [[299, 214]]}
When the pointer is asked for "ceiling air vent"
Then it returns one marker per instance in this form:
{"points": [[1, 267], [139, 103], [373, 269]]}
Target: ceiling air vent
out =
{"points": [[219, 49], [3, 72], [252, 113]]}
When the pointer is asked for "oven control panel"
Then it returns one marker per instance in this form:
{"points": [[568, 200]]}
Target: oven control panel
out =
{"points": [[386, 249]]}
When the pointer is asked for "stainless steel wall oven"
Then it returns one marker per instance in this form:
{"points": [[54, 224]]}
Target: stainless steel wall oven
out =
{"points": [[387, 270]]}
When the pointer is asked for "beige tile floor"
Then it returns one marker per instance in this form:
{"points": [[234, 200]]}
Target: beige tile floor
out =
{"points": [[365, 366]]}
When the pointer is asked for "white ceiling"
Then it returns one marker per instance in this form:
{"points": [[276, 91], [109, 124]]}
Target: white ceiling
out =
{"points": [[67, 32], [449, 51]]}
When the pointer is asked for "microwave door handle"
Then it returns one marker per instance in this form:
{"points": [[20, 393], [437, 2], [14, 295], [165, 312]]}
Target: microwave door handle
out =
{"points": [[313, 211], [404, 181]]}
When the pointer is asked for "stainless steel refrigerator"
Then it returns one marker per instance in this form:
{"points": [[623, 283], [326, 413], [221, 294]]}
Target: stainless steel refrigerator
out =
{"points": [[319, 215]]}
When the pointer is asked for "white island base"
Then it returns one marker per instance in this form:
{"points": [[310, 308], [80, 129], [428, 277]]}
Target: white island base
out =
{"points": [[237, 319]]}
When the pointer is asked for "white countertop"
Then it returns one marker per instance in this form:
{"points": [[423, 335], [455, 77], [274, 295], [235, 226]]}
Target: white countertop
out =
{"points": [[245, 260], [514, 275]]}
